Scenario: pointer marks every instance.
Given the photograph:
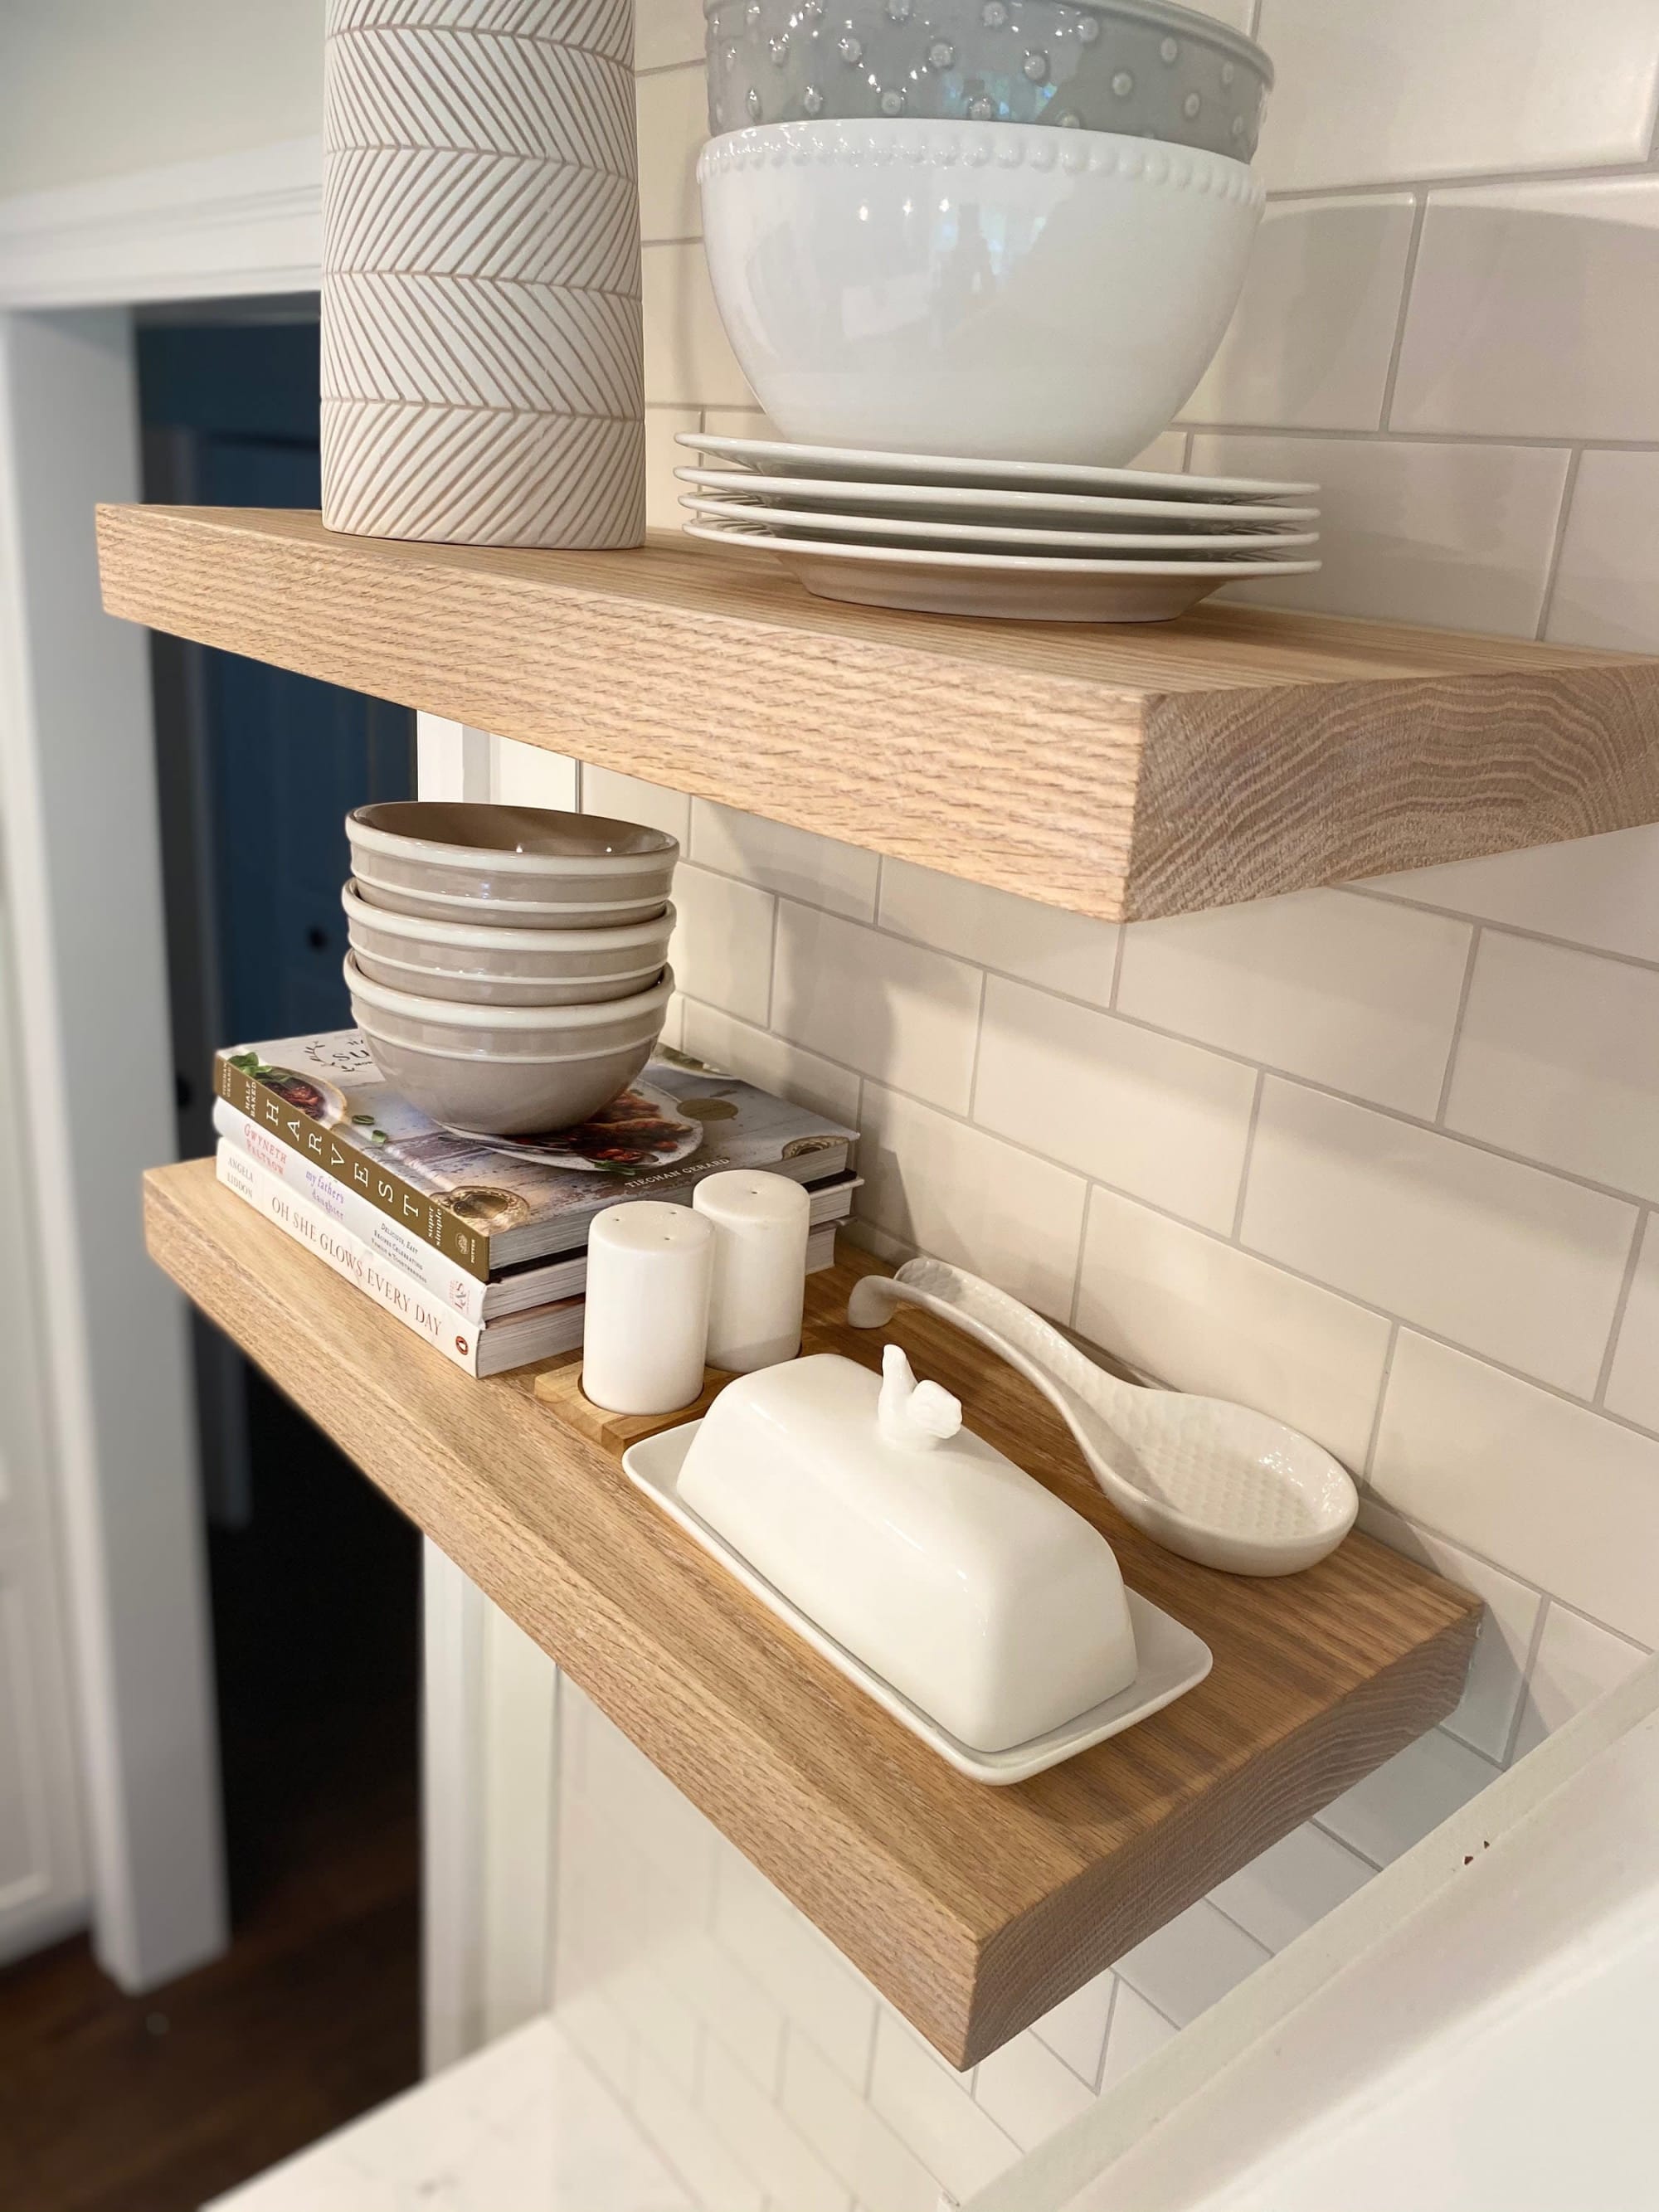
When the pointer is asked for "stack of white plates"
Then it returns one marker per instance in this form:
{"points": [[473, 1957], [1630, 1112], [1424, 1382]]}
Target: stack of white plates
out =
{"points": [[1040, 540]]}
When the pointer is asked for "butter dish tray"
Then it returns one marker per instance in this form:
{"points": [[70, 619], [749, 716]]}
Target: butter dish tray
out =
{"points": [[1172, 1660]]}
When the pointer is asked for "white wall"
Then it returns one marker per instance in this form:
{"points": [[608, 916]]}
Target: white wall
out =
{"points": [[98, 88]]}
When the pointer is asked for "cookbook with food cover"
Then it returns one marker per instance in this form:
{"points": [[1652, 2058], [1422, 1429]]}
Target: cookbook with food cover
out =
{"points": [[487, 1203]]}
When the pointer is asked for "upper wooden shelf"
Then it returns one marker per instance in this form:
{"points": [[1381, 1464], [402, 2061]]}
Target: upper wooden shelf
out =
{"points": [[1122, 772], [973, 1909]]}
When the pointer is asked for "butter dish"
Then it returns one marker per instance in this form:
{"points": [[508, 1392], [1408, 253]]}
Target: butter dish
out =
{"points": [[1171, 1659], [973, 1605]]}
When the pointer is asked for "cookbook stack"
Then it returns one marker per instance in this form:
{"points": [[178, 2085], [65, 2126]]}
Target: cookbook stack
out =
{"points": [[478, 1244]]}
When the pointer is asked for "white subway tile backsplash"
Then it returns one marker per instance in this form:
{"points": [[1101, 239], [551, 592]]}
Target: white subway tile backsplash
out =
{"points": [[1138, 2030], [772, 2150], [932, 2110], [1311, 339], [1607, 579], [731, 2004], [1503, 265], [693, 2146], [1559, 1060], [1599, 892], [1458, 536], [1076, 2028], [1347, 991], [902, 1013], [666, 32], [630, 799], [529, 775], [687, 358], [771, 1061], [671, 119], [1066, 952], [1368, 94], [721, 948], [1400, 1802], [1297, 1880], [820, 870], [1190, 1963], [1030, 2093], [662, 457], [1161, 1119], [821, 1996], [883, 2173], [957, 1194], [1202, 1316], [1499, 1256], [1492, 1696], [1577, 1663], [1633, 1380], [1548, 1489]]}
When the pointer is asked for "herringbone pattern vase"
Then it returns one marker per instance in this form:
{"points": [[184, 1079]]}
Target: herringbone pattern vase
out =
{"points": [[482, 367]]}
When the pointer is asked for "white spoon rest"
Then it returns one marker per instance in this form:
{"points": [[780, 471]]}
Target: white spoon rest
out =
{"points": [[1212, 1481]]}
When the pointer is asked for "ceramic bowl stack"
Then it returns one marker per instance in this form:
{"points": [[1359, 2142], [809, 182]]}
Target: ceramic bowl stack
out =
{"points": [[507, 963], [973, 256]]}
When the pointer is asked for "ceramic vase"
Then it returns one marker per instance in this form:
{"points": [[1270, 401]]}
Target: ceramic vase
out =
{"points": [[481, 375]]}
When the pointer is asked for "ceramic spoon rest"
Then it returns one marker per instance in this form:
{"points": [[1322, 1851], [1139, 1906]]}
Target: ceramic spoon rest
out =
{"points": [[1212, 1481]]}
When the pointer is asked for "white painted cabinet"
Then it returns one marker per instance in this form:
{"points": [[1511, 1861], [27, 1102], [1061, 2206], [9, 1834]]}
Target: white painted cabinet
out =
{"points": [[43, 1890]]}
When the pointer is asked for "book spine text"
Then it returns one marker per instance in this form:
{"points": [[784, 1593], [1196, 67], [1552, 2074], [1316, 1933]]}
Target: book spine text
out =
{"points": [[390, 1288], [425, 1217]]}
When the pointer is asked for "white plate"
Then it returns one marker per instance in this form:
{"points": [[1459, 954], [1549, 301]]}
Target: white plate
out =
{"points": [[933, 500], [945, 469], [1016, 587], [1012, 536], [556, 1150], [1172, 1660]]}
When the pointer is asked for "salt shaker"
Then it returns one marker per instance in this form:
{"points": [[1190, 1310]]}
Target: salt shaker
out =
{"points": [[645, 1326], [760, 1224]]}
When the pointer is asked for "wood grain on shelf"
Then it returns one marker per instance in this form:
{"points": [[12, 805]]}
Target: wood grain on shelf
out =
{"points": [[973, 1909], [1120, 771]]}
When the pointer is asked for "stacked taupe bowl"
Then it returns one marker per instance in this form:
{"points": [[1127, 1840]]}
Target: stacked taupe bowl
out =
{"points": [[507, 963]]}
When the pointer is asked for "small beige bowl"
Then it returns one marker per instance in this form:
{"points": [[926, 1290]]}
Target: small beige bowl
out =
{"points": [[507, 1071], [504, 967], [509, 867]]}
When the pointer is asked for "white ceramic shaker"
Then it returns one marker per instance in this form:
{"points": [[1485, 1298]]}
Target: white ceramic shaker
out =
{"points": [[760, 1224], [645, 1326]]}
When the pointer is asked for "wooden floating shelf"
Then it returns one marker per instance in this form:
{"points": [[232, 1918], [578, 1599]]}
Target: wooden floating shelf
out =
{"points": [[1121, 772], [973, 1909]]}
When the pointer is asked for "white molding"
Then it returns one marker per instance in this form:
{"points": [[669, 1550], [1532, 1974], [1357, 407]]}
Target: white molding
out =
{"points": [[452, 1811], [224, 226], [82, 857]]}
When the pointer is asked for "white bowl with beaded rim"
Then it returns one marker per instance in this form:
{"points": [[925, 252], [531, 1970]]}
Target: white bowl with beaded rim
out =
{"points": [[1000, 291]]}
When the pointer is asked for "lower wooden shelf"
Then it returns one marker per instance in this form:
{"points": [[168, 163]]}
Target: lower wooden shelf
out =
{"points": [[972, 1909]]}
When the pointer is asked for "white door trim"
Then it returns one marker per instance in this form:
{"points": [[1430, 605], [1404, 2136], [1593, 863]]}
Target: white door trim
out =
{"points": [[82, 856], [81, 862], [226, 226]]}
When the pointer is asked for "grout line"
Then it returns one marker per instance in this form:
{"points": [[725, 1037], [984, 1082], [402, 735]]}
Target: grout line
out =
{"points": [[1558, 541], [1237, 1228], [772, 965], [1071, 1320], [1369, 1460], [673, 69], [1508, 928], [1117, 968], [1472, 180], [978, 1045], [1377, 1866], [1294, 432], [1620, 1304], [1512, 1734], [1283, 1266], [1456, 1036], [1106, 2035], [1408, 278]]}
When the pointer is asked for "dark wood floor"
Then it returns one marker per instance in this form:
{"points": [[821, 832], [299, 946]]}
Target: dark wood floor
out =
{"points": [[153, 2104]]}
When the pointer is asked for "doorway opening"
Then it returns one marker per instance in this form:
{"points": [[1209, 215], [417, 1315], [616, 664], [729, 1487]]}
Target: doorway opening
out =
{"points": [[314, 2014]]}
